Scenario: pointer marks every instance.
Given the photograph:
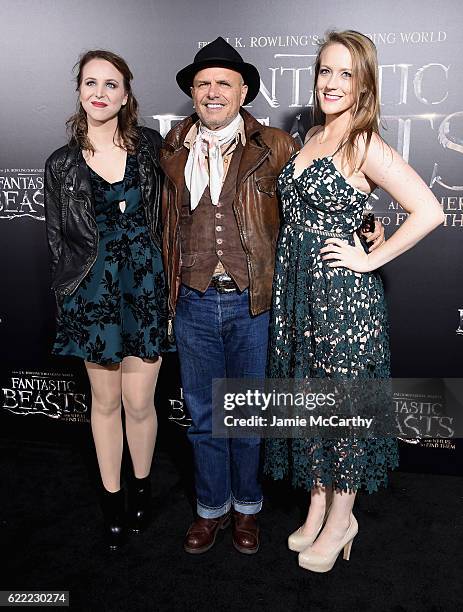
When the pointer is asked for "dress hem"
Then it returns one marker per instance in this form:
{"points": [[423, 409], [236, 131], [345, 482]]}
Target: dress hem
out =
{"points": [[153, 357]]}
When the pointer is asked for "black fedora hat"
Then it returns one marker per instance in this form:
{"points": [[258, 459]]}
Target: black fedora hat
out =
{"points": [[220, 53]]}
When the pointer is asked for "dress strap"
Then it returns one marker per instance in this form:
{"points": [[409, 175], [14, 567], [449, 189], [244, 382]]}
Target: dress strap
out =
{"points": [[338, 149]]}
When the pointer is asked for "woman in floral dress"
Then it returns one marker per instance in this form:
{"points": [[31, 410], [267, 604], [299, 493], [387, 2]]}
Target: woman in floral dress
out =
{"points": [[102, 207]]}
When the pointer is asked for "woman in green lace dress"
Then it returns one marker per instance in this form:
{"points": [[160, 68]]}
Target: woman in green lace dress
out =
{"points": [[102, 204], [329, 316]]}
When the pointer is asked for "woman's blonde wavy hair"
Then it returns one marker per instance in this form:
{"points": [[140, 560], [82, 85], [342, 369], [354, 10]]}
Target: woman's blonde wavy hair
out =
{"points": [[127, 119], [366, 113]]}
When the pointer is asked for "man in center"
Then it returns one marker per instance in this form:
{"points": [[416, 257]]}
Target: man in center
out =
{"points": [[220, 226], [221, 221]]}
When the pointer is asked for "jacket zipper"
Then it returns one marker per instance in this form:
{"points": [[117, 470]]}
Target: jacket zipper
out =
{"points": [[152, 226], [70, 290]]}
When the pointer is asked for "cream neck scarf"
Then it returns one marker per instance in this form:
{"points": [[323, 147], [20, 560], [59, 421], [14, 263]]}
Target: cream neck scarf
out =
{"points": [[197, 176]]}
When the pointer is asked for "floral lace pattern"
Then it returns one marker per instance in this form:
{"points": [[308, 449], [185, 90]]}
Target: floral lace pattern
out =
{"points": [[325, 322]]}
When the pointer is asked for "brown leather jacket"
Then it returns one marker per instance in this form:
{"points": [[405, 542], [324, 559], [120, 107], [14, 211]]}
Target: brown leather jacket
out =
{"points": [[256, 205]]}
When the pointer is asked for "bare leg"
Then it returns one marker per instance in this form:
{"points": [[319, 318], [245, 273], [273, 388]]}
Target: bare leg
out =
{"points": [[320, 499], [337, 522], [139, 379], [105, 382]]}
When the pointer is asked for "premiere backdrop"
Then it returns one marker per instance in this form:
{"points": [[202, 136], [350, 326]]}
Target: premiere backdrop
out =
{"points": [[421, 68]]}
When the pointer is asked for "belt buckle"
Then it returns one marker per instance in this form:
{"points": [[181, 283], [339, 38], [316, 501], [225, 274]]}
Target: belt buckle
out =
{"points": [[223, 286], [227, 289]]}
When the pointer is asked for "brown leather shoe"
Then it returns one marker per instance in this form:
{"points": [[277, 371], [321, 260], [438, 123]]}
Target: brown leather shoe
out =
{"points": [[201, 535], [245, 533]]}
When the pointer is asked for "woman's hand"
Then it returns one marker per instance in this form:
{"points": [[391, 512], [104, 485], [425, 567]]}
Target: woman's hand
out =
{"points": [[343, 255]]}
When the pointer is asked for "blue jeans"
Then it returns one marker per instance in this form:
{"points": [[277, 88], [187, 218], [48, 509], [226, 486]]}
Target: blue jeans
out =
{"points": [[218, 338]]}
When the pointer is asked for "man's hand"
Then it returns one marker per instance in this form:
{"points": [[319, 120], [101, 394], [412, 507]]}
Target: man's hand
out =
{"points": [[376, 238]]}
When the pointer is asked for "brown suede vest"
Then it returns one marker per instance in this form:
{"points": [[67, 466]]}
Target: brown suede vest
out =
{"points": [[210, 234]]}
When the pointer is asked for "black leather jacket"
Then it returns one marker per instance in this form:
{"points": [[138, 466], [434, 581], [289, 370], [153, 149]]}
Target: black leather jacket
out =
{"points": [[70, 213]]}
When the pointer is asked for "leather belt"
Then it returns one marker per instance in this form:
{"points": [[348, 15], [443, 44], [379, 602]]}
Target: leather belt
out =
{"points": [[222, 286]]}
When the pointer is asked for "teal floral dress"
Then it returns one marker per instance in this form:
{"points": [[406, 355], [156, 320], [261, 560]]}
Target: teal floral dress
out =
{"points": [[325, 323], [120, 308]]}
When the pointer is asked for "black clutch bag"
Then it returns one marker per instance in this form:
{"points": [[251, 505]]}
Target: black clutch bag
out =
{"points": [[368, 225]]}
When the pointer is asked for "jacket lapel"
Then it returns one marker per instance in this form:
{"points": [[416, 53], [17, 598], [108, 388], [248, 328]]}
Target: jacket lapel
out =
{"points": [[254, 152], [82, 184], [252, 157], [174, 167], [174, 155]]}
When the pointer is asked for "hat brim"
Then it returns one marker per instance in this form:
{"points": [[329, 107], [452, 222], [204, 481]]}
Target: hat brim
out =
{"points": [[249, 73]]}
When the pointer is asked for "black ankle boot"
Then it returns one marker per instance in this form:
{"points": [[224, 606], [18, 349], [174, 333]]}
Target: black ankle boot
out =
{"points": [[139, 507], [113, 505]]}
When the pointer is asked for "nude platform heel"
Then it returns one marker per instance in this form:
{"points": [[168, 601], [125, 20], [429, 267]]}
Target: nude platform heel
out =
{"points": [[298, 542], [316, 562]]}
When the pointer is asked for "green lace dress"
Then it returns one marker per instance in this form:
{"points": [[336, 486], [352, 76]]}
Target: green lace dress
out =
{"points": [[120, 308], [325, 322]]}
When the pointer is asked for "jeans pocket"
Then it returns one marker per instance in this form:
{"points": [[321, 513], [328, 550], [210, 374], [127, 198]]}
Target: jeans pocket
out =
{"points": [[184, 291]]}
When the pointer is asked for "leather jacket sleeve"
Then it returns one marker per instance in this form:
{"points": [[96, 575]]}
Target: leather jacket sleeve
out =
{"points": [[52, 214], [155, 140], [156, 179]]}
